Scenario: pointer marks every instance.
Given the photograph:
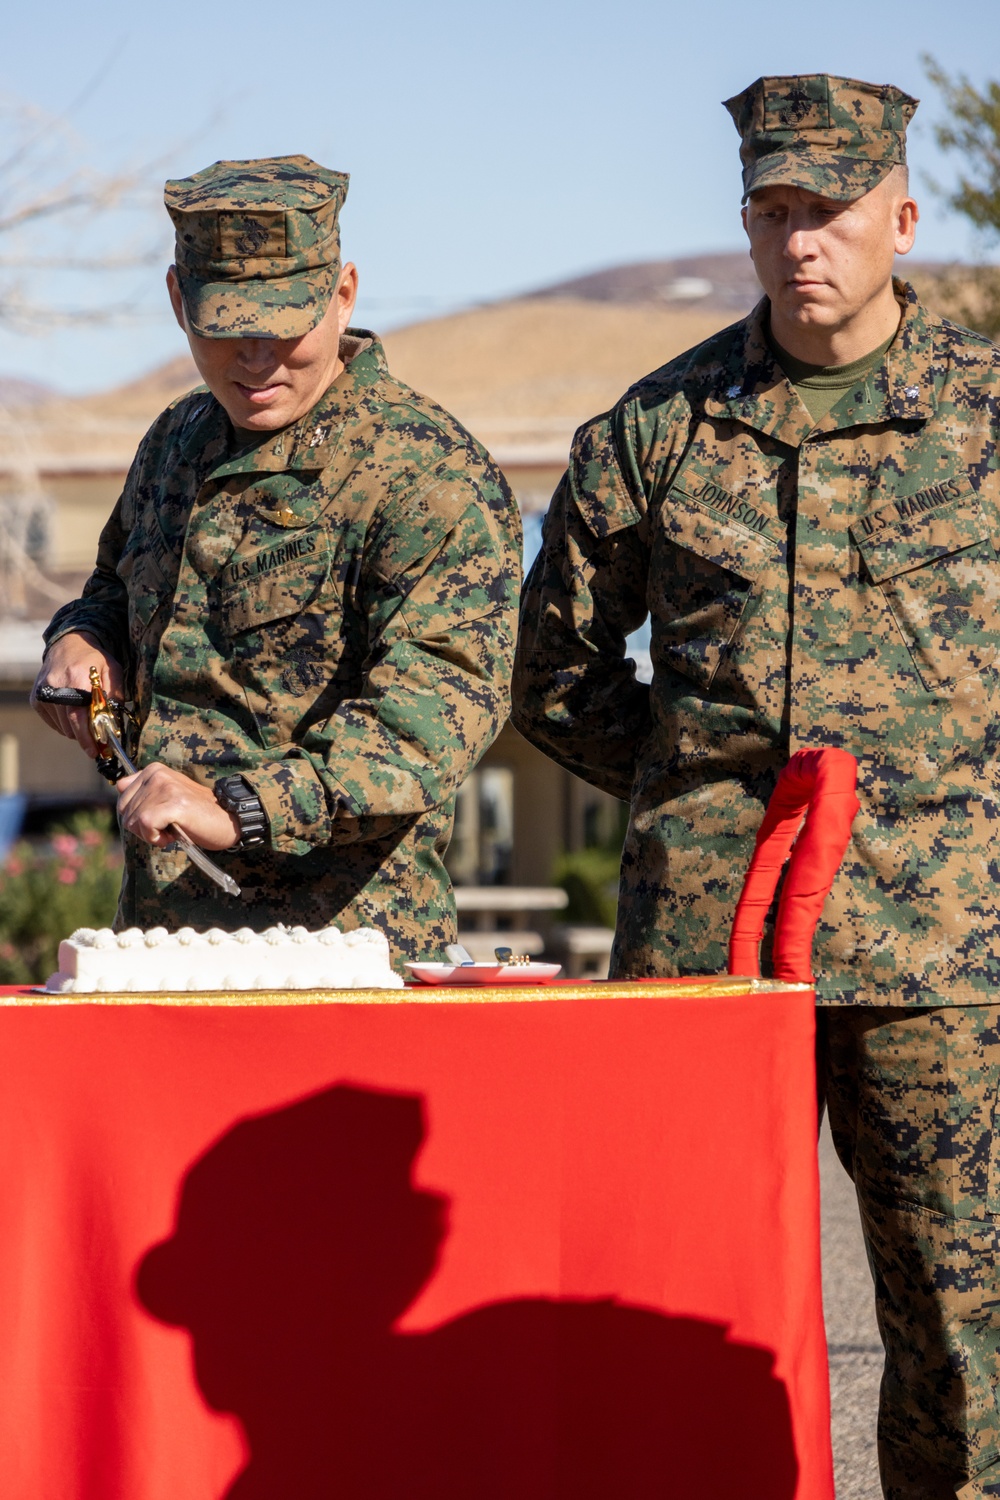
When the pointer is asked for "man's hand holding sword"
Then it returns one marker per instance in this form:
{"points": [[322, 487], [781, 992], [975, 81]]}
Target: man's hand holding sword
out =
{"points": [[157, 804]]}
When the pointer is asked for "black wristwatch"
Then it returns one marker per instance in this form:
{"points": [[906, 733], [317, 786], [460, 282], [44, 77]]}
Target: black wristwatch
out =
{"points": [[237, 796]]}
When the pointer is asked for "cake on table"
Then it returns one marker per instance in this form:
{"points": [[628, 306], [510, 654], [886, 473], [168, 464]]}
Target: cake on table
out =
{"points": [[96, 961]]}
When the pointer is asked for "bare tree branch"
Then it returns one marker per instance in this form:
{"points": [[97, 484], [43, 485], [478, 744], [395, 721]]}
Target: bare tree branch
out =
{"points": [[68, 233], [66, 223]]}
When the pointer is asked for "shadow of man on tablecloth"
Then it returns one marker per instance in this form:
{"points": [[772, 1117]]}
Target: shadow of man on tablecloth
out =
{"points": [[301, 1238]]}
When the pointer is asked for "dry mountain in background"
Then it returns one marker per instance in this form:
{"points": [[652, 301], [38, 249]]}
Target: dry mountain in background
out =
{"points": [[522, 374], [725, 281]]}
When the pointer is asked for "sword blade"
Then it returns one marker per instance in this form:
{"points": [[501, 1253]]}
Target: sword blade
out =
{"points": [[195, 855], [200, 858], [108, 730]]}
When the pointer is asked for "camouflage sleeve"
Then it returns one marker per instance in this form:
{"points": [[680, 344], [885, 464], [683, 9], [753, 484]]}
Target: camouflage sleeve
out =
{"points": [[439, 591], [102, 609], [575, 693]]}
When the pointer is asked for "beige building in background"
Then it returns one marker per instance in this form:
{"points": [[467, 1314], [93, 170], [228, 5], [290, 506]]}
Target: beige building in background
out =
{"points": [[522, 375]]}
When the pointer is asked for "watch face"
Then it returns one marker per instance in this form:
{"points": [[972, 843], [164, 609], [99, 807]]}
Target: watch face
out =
{"points": [[238, 797]]}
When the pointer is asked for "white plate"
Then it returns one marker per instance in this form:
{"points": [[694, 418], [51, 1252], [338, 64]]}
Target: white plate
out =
{"points": [[484, 973]]}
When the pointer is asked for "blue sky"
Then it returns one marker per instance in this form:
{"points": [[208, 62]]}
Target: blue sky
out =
{"points": [[492, 147]]}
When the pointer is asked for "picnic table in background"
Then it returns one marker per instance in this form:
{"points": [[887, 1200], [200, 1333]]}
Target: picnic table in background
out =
{"points": [[520, 917], [490, 915]]}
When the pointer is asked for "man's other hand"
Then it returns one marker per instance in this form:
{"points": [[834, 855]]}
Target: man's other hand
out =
{"points": [[67, 664], [158, 796]]}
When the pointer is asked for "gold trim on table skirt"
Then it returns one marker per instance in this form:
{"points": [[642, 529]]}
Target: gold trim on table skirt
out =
{"points": [[424, 994]]}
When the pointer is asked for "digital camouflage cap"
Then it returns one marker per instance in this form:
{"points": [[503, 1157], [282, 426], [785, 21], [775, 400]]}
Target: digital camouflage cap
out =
{"points": [[258, 245], [835, 136]]}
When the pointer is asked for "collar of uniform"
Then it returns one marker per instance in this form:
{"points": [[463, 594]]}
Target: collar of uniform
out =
{"points": [[902, 389], [910, 361], [760, 395], [752, 387], [204, 437], [310, 443]]}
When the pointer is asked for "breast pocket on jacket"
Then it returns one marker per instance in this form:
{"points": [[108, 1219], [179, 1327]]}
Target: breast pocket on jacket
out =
{"points": [[282, 624], [148, 587], [704, 573], [939, 575]]}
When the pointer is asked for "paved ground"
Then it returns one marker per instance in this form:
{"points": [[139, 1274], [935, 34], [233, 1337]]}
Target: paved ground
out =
{"points": [[855, 1351]]}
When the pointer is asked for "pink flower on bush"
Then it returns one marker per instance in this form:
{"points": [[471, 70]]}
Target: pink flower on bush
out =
{"points": [[64, 844], [66, 874], [91, 838], [14, 866]]}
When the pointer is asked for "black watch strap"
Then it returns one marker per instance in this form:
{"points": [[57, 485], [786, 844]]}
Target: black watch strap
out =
{"points": [[237, 796]]}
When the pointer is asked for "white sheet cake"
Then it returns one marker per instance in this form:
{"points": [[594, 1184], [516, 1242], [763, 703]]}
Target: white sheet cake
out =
{"points": [[280, 958]]}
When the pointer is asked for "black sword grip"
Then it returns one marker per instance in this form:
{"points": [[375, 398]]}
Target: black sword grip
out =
{"points": [[63, 697]]}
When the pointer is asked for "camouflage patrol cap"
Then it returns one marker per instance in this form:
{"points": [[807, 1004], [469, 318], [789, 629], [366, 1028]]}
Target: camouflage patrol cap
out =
{"points": [[835, 136], [258, 246]]}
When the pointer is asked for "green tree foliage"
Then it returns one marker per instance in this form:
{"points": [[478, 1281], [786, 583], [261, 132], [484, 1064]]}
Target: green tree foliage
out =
{"points": [[589, 876], [50, 889], [590, 879], [971, 130]]}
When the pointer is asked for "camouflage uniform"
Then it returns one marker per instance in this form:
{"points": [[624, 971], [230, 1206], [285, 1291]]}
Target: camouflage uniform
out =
{"points": [[329, 612], [812, 584], [913, 1098]]}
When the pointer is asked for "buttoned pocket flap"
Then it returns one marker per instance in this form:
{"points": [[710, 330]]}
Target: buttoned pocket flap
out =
{"points": [[705, 572], [413, 526], [723, 543], [909, 542], [273, 593], [597, 484], [140, 571], [936, 567]]}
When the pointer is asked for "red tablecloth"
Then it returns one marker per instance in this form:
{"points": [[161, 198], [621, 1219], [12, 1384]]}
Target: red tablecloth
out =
{"points": [[557, 1250]]}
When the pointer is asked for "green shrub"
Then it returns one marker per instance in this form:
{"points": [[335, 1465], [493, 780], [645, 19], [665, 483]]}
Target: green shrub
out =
{"points": [[590, 879], [48, 889]]}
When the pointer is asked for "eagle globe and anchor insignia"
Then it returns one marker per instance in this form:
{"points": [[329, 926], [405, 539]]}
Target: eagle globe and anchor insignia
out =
{"points": [[252, 238]]}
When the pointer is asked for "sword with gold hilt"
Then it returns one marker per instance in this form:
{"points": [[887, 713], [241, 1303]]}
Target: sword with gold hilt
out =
{"points": [[107, 730], [105, 717]]}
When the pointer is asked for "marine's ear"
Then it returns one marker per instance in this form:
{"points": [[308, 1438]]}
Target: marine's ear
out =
{"points": [[907, 214], [346, 294], [176, 299]]}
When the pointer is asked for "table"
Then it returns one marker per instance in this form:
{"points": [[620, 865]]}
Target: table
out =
{"points": [[584, 949], [452, 1245], [504, 899], [479, 907]]}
